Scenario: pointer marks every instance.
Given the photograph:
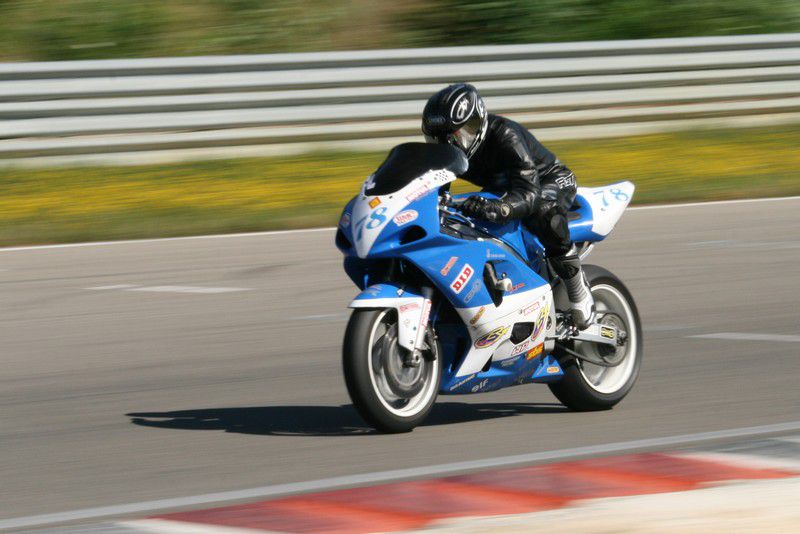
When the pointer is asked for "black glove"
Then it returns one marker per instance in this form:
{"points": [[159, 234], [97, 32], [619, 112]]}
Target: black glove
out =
{"points": [[486, 209]]}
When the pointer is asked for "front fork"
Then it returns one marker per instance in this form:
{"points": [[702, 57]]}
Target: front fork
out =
{"points": [[412, 358]]}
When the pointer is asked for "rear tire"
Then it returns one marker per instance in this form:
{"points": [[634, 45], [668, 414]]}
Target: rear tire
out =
{"points": [[370, 351], [590, 387]]}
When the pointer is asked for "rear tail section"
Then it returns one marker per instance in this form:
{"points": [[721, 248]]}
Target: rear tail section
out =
{"points": [[597, 210]]}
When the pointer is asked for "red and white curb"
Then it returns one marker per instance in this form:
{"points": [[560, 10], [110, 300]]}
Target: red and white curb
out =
{"points": [[511, 500]]}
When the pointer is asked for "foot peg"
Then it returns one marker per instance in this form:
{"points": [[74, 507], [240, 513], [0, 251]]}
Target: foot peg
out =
{"points": [[504, 284], [500, 284]]}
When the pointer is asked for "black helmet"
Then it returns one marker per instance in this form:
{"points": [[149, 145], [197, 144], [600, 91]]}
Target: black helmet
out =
{"points": [[456, 115]]}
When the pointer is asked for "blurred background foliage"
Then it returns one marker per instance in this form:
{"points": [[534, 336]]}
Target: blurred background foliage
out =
{"points": [[461, 22], [89, 29]]}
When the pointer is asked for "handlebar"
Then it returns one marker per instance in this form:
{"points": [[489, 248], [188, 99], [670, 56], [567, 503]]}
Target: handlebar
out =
{"points": [[453, 204]]}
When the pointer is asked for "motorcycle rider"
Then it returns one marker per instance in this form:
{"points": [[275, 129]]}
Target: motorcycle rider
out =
{"points": [[505, 158]]}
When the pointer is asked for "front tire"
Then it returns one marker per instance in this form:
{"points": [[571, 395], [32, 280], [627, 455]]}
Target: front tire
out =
{"points": [[389, 397], [590, 387]]}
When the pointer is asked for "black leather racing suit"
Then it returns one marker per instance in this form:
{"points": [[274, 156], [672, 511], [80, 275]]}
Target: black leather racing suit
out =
{"points": [[537, 186]]}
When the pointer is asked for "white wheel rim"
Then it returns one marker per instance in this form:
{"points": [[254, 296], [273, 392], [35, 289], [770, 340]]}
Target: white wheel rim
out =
{"points": [[609, 380], [397, 405]]}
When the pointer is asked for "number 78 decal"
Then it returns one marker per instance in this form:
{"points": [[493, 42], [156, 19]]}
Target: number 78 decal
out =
{"points": [[371, 221], [617, 193]]}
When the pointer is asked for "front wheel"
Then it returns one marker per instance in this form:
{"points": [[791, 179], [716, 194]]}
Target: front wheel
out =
{"points": [[587, 386], [390, 396]]}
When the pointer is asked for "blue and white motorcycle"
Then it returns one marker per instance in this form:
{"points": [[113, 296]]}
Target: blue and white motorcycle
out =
{"points": [[454, 305]]}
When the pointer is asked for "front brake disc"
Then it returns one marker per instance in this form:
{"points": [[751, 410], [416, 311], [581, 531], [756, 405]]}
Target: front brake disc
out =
{"points": [[404, 381]]}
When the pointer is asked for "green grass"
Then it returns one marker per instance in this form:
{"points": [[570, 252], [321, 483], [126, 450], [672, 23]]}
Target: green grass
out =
{"points": [[32, 30], [98, 203]]}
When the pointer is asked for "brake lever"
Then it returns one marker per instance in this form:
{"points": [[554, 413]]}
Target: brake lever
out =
{"points": [[459, 215]]}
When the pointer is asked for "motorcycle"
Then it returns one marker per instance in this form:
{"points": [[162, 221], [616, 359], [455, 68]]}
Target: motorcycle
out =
{"points": [[453, 305]]}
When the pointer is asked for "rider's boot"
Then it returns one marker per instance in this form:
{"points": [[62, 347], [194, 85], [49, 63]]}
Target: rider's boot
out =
{"points": [[568, 267]]}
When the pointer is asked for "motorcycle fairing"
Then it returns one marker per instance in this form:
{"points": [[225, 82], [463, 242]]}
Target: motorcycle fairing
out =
{"points": [[372, 215], [598, 209], [542, 368], [491, 333], [463, 284], [530, 293]]}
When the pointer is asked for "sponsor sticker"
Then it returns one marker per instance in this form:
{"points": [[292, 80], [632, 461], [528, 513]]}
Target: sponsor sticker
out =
{"points": [[540, 321], [426, 314], [344, 222], [449, 265], [530, 309], [461, 382], [494, 256], [522, 347], [477, 315], [487, 340], [606, 332], [461, 280], [535, 351], [405, 217], [480, 385], [418, 193], [472, 291], [374, 202], [516, 287], [552, 370], [373, 291], [510, 361], [408, 307]]}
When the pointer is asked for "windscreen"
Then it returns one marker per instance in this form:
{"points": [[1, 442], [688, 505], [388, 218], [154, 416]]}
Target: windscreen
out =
{"points": [[411, 160]]}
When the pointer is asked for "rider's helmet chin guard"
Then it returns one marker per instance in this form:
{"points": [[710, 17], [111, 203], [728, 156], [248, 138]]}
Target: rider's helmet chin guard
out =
{"points": [[456, 115]]}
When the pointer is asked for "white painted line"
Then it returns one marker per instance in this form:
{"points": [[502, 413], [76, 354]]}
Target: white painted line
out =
{"points": [[169, 289], [748, 244], [165, 526], [321, 316], [744, 460], [714, 243], [741, 336], [665, 327], [106, 288], [711, 203], [388, 476], [332, 228], [189, 289], [167, 239]]}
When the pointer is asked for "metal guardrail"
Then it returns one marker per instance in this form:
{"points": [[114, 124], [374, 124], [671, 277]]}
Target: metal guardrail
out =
{"points": [[153, 106]]}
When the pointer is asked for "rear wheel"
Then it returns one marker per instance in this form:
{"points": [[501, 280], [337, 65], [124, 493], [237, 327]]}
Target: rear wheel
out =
{"points": [[587, 386], [390, 396]]}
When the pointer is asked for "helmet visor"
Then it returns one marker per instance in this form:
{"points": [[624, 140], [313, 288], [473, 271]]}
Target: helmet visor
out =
{"points": [[464, 138]]}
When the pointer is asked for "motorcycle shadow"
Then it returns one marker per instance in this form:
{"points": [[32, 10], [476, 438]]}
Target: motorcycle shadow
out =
{"points": [[323, 420]]}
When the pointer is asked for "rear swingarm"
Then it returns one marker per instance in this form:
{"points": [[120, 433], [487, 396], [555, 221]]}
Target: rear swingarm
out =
{"points": [[606, 335]]}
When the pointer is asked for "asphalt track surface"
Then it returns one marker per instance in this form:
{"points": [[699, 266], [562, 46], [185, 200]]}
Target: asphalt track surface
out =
{"points": [[111, 396]]}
